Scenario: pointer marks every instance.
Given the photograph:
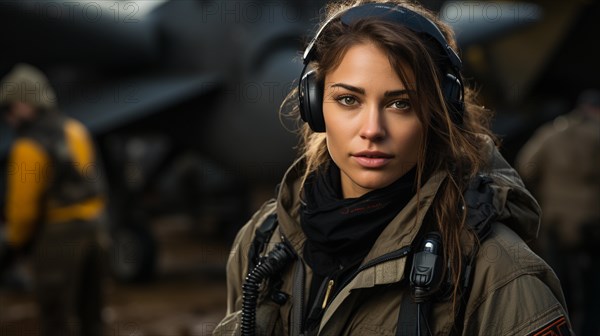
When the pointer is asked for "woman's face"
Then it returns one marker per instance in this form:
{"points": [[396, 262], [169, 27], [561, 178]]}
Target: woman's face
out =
{"points": [[373, 133]]}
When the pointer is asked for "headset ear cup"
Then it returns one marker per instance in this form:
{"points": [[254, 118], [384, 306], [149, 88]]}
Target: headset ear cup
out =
{"points": [[311, 101], [453, 94]]}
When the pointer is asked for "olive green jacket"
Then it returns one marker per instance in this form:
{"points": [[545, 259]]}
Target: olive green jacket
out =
{"points": [[513, 292]]}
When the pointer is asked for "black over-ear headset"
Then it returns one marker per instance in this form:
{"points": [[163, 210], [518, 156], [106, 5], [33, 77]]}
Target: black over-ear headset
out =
{"points": [[310, 90]]}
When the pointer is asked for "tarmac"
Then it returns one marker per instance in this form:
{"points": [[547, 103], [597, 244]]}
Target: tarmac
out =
{"points": [[186, 297]]}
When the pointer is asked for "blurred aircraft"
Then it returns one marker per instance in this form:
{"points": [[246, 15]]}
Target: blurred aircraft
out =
{"points": [[183, 96]]}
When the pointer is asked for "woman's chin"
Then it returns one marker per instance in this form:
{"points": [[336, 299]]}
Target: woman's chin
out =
{"points": [[373, 181]]}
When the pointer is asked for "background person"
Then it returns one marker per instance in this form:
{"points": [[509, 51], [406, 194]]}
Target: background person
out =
{"points": [[561, 165], [54, 205]]}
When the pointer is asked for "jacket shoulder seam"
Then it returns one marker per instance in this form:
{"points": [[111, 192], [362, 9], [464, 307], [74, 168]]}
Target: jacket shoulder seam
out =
{"points": [[527, 271]]}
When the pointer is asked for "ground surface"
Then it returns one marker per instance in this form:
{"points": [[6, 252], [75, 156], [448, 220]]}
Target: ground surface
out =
{"points": [[186, 298]]}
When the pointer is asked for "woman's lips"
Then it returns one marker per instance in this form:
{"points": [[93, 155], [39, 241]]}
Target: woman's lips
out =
{"points": [[372, 159]]}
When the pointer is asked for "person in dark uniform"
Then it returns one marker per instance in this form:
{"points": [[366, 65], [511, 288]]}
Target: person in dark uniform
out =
{"points": [[55, 205], [561, 165]]}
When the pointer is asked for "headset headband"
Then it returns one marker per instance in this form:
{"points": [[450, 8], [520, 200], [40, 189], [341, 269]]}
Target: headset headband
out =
{"points": [[393, 13]]}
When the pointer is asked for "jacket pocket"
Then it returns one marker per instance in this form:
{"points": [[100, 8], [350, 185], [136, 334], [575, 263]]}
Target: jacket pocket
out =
{"points": [[230, 325], [268, 320]]}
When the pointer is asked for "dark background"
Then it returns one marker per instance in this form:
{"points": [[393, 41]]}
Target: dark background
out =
{"points": [[182, 98]]}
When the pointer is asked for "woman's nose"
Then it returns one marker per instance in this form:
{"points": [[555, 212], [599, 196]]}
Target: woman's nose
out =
{"points": [[373, 127]]}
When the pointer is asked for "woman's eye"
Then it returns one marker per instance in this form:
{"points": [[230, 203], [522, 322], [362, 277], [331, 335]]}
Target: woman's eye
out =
{"points": [[347, 100], [401, 104]]}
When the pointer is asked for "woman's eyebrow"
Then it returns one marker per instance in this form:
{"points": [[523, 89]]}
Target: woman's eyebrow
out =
{"points": [[396, 93], [348, 87], [352, 88]]}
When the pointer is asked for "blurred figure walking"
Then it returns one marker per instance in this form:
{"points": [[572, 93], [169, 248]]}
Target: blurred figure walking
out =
{"points": [[561, 165], [54, 205]]}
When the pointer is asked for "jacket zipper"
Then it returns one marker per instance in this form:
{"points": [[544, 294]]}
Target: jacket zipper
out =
{"points": [[327, 293], [384, 258]]}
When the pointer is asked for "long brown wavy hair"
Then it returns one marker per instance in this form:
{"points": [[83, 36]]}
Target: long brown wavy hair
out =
{"points": [[446, 146]]}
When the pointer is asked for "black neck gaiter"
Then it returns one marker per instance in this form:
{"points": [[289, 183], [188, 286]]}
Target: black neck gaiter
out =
{"points": [[340, 232]]}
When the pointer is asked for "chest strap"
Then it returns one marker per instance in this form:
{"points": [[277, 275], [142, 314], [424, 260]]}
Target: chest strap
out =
{"points": [[481, 213]]}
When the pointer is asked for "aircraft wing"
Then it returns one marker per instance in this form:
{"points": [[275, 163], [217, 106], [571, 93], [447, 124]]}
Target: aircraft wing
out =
{"points": [[119, 104], [130, 101]]}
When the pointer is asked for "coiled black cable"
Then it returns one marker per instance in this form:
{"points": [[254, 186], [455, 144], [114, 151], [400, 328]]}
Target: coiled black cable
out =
{"points": [[271, 263]]}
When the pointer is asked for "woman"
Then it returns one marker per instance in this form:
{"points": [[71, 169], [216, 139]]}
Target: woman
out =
{"points": [[400, 216]]}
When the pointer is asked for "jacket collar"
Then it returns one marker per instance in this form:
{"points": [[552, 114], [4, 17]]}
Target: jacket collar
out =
{"points": [[515, 205]]}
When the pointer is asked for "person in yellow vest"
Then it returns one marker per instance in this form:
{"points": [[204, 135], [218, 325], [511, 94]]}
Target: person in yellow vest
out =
{"points": [[54, 205]]}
